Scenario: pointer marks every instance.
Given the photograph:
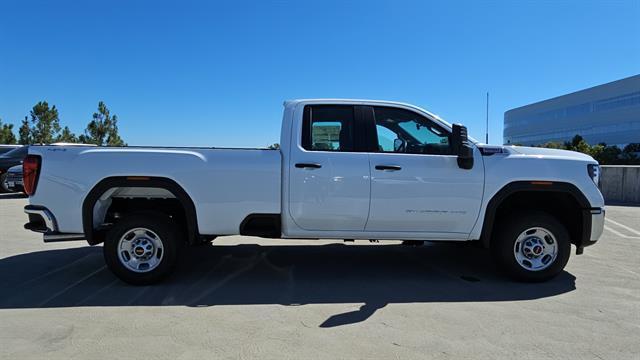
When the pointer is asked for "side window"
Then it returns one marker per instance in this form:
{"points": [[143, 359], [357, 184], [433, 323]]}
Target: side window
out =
{"points": [[328, 128], [403, 131], [386, 138]]}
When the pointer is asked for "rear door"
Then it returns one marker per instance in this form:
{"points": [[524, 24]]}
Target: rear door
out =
{"points": [[416, 184], [329, 185]]}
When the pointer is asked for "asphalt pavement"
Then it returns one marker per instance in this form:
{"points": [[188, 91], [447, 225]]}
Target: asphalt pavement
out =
{"points": [[245, 297]]}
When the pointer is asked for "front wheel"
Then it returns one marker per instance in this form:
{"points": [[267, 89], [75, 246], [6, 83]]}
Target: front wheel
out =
{"points": [[141, 249], [532, 247]]}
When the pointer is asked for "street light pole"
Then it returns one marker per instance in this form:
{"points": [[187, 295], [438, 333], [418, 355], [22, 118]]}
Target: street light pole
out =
{"points": [[487, 133]]}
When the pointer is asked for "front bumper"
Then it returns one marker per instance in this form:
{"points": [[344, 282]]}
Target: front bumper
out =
{"points": [[13, 181], [593, 225], [597, 224], [42, 220]]}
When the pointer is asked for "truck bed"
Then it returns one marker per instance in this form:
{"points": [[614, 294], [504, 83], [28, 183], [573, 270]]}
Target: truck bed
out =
{"points": [[226, 185]]}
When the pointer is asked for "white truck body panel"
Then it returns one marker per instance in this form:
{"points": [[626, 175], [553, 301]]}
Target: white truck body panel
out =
{"points": [[333, 198], [435, 195], [524, 164], [430, 199], [225, 185]]}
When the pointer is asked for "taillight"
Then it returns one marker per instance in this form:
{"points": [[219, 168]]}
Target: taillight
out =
{"points": [[30, 173]]}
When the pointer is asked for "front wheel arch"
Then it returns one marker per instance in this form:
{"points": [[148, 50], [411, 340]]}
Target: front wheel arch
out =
{"points": [[560, 199]]}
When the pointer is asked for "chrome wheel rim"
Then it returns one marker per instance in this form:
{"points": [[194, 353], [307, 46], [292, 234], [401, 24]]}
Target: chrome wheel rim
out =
{"points": [[535, 249], [140, 250]]}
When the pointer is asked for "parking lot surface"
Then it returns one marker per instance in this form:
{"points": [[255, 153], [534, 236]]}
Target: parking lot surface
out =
{"points": [[287, 299]]}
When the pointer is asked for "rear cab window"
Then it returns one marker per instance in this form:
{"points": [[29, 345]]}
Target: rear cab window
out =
{"points": [[328, 128]]}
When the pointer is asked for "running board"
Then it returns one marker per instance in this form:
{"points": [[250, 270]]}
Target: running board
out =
{"points": [[58, 237]]}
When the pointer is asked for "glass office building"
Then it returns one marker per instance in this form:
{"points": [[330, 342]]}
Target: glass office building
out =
{"points": [[608, 113]]}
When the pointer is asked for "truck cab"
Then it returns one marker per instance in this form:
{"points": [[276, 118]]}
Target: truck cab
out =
{"points": [[376, 170]]}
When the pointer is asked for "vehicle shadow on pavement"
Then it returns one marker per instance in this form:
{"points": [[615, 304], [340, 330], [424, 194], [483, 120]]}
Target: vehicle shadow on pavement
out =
{"points": [[13, 196], [287, 275]]}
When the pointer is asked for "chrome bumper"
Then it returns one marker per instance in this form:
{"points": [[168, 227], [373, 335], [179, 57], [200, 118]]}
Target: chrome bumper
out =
{"points": [[42, 220], [48, 220]]}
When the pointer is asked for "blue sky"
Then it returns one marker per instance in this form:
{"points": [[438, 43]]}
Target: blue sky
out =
{"points": [[216, 73]]}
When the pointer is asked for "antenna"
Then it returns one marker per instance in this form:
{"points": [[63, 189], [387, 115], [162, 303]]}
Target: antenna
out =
{"points": [[487, 133]]}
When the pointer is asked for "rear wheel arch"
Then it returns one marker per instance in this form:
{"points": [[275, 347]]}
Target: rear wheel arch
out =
{"points": [[95, 236], [550, 197]]}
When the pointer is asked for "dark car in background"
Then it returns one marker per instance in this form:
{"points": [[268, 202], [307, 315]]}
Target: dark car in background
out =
{"points": [[10, 172], [13, 181], [7, 148], [8, 160]]}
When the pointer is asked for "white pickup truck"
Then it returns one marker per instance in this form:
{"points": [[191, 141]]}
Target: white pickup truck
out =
{"points": [[346, 169]]}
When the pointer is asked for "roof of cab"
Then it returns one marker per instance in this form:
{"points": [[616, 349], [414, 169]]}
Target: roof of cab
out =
{"points": [[294, 102], [345, 101]]}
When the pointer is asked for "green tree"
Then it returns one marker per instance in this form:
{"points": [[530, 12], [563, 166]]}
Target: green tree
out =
{"points": [[605, 155], [275, 146], [6, 134], [103, 129], [67, 136], [610, 155], [631, 148], [629, 155], [552, 145], [578, 144], [45, 123], [25, 132]]}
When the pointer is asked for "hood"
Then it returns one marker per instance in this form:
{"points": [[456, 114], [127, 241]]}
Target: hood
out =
{"points": [[550, 153]]}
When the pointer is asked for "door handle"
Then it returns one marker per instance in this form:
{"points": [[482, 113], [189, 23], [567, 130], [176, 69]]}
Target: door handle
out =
{"points": [[388, 167], [308, 166]]}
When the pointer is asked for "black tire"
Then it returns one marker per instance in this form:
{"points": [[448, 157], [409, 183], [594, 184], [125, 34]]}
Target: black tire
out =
{"points": [[167, 234], [503, 246]]}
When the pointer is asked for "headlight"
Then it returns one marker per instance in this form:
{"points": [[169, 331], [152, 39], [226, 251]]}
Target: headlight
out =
{"points": [[594, 173]]}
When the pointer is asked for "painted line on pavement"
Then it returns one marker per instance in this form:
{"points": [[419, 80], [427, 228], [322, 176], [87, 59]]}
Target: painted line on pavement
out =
{"points": [[623, 226], [620, 234]]}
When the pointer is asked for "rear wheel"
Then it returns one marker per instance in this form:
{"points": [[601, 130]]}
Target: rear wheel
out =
{"points": [[141, 249], [532, 247]]}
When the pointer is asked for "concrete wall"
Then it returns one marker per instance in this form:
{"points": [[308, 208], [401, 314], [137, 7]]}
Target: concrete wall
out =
{"points": [[620, 183]]}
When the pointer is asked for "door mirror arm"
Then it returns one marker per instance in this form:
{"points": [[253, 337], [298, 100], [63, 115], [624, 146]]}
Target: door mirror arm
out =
{"points": [[462, 147], [399, 145]]}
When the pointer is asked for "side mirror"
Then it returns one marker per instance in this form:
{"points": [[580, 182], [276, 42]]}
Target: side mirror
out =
{"points": [[399, 145], [462, 147]]}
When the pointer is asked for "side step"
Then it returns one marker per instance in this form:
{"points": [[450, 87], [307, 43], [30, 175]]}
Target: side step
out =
{"points": [[59, 237]]}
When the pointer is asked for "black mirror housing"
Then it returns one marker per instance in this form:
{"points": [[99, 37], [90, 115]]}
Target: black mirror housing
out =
{"points": [[462, 147]]}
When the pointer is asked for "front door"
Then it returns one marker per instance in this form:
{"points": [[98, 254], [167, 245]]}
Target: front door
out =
{"points": [[416, 184], [329, 185]]}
